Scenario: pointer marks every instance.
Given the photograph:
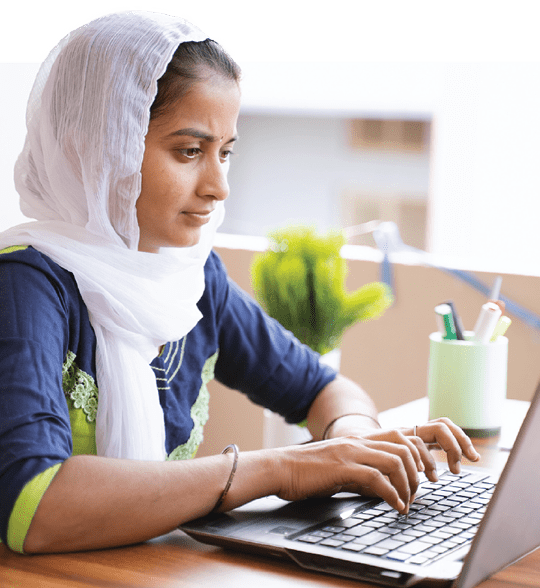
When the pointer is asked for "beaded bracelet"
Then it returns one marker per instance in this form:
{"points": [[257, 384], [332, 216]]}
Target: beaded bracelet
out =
{"points": [[346, 415], [231, 447]]}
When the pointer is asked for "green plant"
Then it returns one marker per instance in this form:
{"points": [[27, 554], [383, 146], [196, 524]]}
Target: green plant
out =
{"points": [[300, 281]]}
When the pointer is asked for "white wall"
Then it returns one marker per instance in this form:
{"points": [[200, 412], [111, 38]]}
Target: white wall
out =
{"points": [[485, 192], [17, 80]]}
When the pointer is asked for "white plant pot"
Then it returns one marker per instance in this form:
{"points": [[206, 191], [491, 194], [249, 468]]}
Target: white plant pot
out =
{"points": [[278, 433]]}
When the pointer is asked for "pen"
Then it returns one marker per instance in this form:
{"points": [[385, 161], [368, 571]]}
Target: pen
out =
{"points": [[457, 320], [495, 293], [485, 324], [445, 321], [496, 289], [501, 327]]}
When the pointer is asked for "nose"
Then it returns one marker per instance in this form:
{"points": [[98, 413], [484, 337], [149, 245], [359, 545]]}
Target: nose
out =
{"points": [[213, 182]]}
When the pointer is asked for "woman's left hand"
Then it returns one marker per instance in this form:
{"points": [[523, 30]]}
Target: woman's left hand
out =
{"points": [[441, 432]]}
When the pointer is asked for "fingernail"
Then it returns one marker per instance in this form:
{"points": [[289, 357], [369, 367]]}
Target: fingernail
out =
{"points": [[400, 505]]}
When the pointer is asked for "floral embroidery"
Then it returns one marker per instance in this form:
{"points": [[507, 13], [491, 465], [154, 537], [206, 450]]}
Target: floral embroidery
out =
{"points": [[199, 414], [80, 387]]}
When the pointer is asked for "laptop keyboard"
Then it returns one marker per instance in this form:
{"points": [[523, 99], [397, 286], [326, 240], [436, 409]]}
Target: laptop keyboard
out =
{"points": [[444, 517]]}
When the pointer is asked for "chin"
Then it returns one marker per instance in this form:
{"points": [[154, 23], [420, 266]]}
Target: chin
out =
{"points": [[187, 240]]}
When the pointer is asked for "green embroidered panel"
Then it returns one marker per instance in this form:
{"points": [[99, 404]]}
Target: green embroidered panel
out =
{"points": [[80, 387], [82, 396], [199, 414]]}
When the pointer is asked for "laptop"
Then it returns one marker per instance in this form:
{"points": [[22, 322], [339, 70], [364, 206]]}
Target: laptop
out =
{"points": [[458, 532]]}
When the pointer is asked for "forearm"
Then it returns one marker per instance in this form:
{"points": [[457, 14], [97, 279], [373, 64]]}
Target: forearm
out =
{"points": [[96, 502], [341, 397]]}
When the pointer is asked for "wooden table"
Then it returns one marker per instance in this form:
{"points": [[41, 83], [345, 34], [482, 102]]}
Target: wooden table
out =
{"points": [[176, 560]]}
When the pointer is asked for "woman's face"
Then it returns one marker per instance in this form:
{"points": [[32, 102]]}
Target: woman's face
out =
{"points": [[185, 164]]}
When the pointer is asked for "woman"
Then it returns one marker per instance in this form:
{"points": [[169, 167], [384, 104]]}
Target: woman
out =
{"points": [[114, 313]]}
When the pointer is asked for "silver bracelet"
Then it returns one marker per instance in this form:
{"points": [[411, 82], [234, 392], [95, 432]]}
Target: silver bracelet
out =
{"points": [[327, 428], [231, 447]]}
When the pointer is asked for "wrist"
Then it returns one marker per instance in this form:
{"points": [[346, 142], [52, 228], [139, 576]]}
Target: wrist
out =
{"points": [[256, 476], [351, 424]]}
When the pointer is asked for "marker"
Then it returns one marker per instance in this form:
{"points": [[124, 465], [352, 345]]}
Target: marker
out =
{"points": [[500, 304], [457, 320], [501, 327], [486, 322], [445, 321]]}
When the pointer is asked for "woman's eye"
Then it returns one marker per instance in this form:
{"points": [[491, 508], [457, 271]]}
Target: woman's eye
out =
{"points": [[190, 153], [225, 155]]}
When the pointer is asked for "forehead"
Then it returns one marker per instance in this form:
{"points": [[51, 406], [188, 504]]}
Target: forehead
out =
{"points": [[210, 105]]}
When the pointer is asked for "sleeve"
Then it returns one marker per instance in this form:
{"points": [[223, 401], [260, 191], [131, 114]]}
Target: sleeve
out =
{"points": [[35, 433], [260, 358]]}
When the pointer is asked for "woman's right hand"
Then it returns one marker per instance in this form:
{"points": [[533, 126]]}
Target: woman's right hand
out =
{"points": [[380, 468]]}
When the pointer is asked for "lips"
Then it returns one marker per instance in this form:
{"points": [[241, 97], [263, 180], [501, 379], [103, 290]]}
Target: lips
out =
{"points": [[199, 212], [197, 217]]}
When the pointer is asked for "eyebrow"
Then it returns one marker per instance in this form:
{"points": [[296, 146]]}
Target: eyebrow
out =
{"points": [[192, 132]]}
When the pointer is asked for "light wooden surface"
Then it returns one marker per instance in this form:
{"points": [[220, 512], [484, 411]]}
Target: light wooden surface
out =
{"points": [[176, 560]]}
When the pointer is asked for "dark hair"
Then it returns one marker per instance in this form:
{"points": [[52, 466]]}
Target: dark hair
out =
{"points": [[191, 63]]}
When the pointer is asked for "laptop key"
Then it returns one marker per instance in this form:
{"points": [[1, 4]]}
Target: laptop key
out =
{"points": [[352, 546], [463, 509], [390, 544], [388, 530], [452, 530], [414, 532], [431, 539], [371, 538], [441, 548], [404, 538], [443, 519], [350, 522], [462, 525], [331, 542], [309, 539], [415, 547], [375, 551], [420, 516], [358, 531], [400, 526], [418, 559], [441, 535], [398, 556], [373, 524], [343, 537], [434, 524], [332, 529]]}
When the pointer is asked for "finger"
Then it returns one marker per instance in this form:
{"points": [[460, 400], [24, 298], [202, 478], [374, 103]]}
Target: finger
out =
{"points": [[371, 481], [452, 440], [430, 466], [396, 436], [394, 461], [464, 441]]}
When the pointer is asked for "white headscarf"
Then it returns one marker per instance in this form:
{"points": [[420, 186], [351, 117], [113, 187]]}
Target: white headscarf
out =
{"points": [[79, 176]]}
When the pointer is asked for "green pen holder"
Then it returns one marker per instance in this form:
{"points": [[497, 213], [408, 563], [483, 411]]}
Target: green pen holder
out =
{"points": [[467, 383]]}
